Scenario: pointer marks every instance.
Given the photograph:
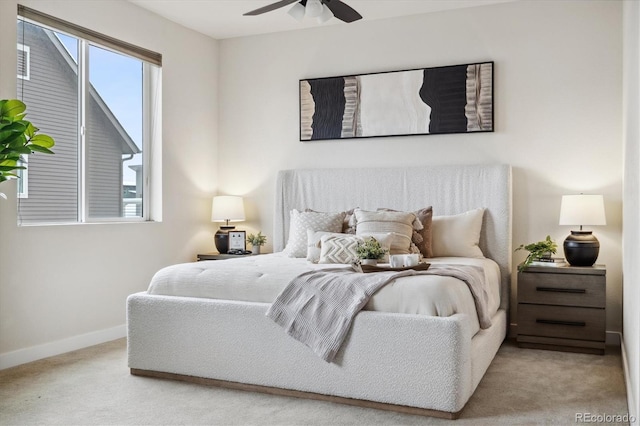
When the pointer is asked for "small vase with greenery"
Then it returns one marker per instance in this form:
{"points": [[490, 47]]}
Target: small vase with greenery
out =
{"points": [[369, 251], [541, 249], [256, 241], [18, 137]]}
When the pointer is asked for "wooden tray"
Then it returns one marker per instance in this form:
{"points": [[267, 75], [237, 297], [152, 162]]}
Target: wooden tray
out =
{"points": [[371, 268]]}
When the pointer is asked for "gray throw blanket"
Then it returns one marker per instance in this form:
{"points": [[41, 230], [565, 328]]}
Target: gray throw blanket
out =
{"points": [[318, 307]]}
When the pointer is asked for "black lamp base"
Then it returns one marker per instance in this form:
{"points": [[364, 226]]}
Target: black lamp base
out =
{"points": [[221, 239], [581, 248]]}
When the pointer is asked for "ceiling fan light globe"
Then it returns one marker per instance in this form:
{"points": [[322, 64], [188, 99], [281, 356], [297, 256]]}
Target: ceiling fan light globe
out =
{"points": [[297, 11], [327, 14], [314, 8]]}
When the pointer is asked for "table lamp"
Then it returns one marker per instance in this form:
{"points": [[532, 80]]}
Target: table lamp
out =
{"points": [[581, 248], [226, 208]]}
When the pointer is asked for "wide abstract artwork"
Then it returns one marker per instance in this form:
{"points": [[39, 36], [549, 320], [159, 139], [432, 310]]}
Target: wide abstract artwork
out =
{"points": [[451, 99]]}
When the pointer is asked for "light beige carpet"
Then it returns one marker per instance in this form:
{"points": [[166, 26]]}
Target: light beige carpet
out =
{"points": [[93, 387]]}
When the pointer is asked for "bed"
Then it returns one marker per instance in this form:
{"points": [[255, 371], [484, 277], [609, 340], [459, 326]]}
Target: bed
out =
{"points": [[391, 359]]}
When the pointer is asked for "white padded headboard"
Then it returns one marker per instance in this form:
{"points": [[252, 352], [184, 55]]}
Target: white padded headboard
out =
{"points": [[449, 189]]}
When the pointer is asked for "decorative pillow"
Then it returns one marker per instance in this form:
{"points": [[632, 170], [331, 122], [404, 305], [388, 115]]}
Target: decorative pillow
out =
{"points": [[301, 221], [457, 235], [341, 248], [401, 224], [338, 249], [348, 226], [422, 238], [313, 244]]}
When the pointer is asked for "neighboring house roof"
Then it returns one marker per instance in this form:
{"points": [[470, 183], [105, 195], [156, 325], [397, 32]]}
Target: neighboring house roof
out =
{"points": [[127, 144]]}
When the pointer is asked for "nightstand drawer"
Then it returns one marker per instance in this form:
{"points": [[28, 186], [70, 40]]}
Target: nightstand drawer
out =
{"points": [[562, 289], [561, 321]]}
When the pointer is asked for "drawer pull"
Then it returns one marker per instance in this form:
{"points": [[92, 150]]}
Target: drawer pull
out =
{"points": [[557, 322], [562, 290]]}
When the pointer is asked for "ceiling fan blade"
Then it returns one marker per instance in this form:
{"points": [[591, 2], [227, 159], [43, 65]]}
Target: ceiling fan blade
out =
{"points": [[269, 8], [342, 11]]}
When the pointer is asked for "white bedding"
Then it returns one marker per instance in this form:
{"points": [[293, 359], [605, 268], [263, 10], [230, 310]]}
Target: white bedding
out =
{"points": [[262, 278]]}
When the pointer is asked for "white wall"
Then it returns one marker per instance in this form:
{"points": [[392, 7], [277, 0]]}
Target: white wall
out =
{"points": [[631, 236], [63, 287], [558, 93], [558, 122]]}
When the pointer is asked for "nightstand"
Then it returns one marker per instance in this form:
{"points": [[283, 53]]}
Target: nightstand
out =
{"points": [[218, 256], [562, 308]]}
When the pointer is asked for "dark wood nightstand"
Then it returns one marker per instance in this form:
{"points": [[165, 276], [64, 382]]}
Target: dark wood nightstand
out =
{"points": [[562, 308], [218, 256]]}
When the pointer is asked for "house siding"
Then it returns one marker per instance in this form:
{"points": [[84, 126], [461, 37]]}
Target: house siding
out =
{"points": [[52, 104], [53, 179], [104, 167]]}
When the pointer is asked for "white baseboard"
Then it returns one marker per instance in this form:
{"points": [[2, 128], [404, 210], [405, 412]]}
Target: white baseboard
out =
{"points": [[34, 353], [632, 401], [613, 338]]}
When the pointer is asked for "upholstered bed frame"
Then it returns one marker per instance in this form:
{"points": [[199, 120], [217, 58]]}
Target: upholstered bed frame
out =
{"points": [[409, 363]]}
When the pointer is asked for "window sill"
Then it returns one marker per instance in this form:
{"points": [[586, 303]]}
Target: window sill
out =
{"points": [[98, 222]]}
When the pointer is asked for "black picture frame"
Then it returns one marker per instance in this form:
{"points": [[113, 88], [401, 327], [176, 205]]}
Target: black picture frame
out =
{"points": [[421, 101], [237, 240]]}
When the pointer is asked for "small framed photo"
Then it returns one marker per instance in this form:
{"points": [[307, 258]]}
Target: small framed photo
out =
{"points": [[238, 240]]}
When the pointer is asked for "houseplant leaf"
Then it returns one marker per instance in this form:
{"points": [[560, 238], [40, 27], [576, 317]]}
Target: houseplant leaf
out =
{"points": [[12, 126], [30, 130], [38, 148], [44, 141], [17, 141], [17, 150], [18, 137], [10, 132], [12, 108]]}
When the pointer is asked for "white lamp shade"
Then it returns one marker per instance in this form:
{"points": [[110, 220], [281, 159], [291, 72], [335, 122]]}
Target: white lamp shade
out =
{"points": [[314, 8], [582, 210], [297, 11], [227, 208]]}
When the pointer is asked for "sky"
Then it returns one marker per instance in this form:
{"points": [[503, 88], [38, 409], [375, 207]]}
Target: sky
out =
{"points": [[118, 80]]}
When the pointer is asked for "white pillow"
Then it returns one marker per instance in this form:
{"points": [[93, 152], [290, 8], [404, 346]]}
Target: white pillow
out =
{"points": [[348, 226], [313, 244], [401, 224], [457, 235], [300, 222], [341, 248], [338, 249]]}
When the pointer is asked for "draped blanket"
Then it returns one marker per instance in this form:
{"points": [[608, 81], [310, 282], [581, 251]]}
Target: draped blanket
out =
{"points": [[317, 307]]}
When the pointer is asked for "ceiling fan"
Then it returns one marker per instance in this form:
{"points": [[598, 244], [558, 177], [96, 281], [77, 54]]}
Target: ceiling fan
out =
{"points": [[313, 8]]}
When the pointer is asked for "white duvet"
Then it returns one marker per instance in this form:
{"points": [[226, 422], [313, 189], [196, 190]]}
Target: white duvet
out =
{"points": [[262, 278]]}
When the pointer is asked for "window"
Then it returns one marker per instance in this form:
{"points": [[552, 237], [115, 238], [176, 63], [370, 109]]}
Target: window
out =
{"points": [[97, 97], [23, 62]]}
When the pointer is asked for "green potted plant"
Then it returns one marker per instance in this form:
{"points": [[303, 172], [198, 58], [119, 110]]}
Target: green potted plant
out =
{"points": [[256, 241], [369, 251], [539, 250], [18, 137]]}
